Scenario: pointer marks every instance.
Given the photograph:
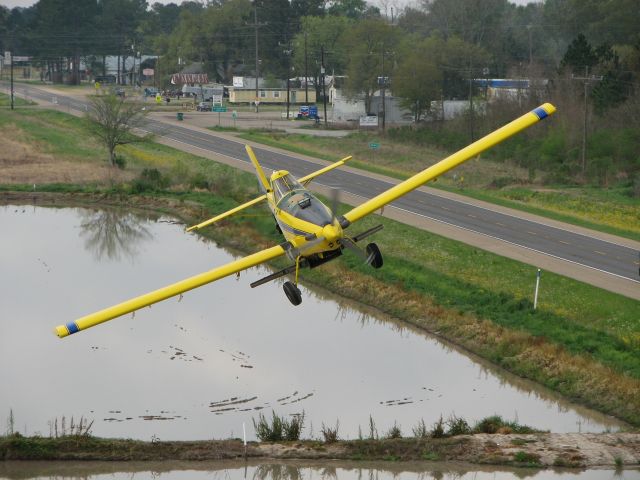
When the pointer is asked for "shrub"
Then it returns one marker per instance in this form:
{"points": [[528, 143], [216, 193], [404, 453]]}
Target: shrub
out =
{"points": [[438, 429], [269, 432], [150, 180], [420, 430], [457, 426], [330, 434], [394, 432], [280, 428]]}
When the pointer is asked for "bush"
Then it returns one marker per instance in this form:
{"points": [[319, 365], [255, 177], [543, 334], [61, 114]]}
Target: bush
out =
{"points": [[269, 432], [150, 180], [496, 424], [420, 430], [330, 434], [438, 429], [394, 432], [280, 429], [457, 426]]}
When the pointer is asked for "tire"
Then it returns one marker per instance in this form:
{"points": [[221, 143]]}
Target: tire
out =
{"points": [[376, 262], [293, 293]]}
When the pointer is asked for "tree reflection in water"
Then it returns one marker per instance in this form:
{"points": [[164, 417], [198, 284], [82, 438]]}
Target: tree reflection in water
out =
{"points": [[113, 233]]}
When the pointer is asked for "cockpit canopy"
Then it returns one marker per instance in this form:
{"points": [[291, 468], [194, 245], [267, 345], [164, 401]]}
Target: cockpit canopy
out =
{"points": [[293, 198]]}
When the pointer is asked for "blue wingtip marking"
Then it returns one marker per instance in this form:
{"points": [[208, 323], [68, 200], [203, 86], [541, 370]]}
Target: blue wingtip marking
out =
{"points": [[72, 327], [541, 113]]}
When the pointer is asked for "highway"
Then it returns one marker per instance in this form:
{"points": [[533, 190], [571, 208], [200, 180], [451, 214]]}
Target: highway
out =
{"points": [[606, 256]]}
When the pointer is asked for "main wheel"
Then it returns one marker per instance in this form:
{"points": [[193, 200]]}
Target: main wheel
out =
{"points": [[293, 293], [372, 249]]}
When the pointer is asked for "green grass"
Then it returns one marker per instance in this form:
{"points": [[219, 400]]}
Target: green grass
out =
{"points": [[56, 133], [5, 101]]}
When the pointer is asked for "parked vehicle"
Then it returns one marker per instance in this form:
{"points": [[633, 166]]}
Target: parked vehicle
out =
{"points": [[150, 91], [204, 106]]}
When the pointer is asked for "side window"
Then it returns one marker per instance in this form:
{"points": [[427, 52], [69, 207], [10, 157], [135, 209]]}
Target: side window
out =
{"points": [[263, 94]]}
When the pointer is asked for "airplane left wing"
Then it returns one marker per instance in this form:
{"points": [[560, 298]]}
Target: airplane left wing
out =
{"points": [[169, 291]]}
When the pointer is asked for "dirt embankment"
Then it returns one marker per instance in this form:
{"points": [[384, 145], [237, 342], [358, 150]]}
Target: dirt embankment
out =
{"points": [[541, 450]]}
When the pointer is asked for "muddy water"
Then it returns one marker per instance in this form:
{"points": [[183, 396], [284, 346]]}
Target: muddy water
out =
{"points": [[204, 365], [293, 471]]}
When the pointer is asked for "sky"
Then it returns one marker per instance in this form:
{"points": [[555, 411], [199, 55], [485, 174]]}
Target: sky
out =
{"points": [[26, 3]]}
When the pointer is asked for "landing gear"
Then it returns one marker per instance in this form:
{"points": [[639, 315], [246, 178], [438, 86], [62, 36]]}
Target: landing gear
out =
{"points": [[373, 252], [293, 293]]}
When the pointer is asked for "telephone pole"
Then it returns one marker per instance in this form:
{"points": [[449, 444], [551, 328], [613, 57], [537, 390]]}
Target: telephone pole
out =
{"points": [[11, 67], [256, 25], [306, 72], [324, 93], [586, 80]]}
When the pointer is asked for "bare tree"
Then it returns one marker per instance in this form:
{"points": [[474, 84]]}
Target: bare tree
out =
{"points": [[112, 120]]}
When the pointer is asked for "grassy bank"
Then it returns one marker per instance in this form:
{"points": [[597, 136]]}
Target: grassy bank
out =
{"points": [[5, 101], [582, 341], [610, 210]]}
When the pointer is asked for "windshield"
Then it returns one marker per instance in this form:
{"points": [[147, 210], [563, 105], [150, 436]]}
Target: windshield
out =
{"points": [[283, 185]]}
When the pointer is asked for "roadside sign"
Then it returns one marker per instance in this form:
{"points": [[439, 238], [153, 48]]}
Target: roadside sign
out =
{"points": [[374, 145], [148, 72], [219, 108], [369, 121]]}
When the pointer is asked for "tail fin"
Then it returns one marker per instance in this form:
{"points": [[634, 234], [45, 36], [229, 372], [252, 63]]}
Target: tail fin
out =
{"points": [[259, 172]]}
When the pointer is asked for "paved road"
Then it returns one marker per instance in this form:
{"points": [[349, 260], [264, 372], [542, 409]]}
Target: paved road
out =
{"points": [[605, 256]]}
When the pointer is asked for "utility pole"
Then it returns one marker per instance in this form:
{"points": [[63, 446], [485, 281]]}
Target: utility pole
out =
{"points": [[324, 93], [11, 67], [383, 83], [256, 25], [586, 80], [471, 101], [306, 72]]}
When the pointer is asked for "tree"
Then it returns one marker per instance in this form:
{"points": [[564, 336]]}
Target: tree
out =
{"points": [[370, 43], [112, 120], [417, 79]]}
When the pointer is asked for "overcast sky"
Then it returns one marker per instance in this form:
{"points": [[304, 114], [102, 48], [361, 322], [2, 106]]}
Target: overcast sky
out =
{"points": [[26, 3]]}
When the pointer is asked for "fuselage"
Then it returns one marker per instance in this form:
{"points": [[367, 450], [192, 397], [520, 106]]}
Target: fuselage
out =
{"points": [[301, 216]]}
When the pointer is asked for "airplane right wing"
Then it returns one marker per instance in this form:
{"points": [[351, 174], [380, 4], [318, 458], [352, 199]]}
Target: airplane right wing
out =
{"points": [[447, 164]]}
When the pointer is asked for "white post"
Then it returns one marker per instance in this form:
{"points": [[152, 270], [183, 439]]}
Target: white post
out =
{"points": [[244, 439], [535, 298]]}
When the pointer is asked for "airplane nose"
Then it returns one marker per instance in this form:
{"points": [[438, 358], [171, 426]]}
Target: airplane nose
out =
{"points": [[330, 233]]}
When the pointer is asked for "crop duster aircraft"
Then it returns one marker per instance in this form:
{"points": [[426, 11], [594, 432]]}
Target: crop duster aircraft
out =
{"points": [[314, 233]]}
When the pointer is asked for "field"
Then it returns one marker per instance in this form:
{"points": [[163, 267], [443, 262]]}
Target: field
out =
{"points": [[582, 341]]}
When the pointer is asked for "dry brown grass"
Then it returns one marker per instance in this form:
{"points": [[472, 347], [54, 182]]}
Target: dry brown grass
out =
{"points": [[25, 163]]}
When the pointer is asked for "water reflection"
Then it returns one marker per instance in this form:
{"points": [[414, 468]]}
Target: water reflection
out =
{"points": [[113, 233], [293, 470]]}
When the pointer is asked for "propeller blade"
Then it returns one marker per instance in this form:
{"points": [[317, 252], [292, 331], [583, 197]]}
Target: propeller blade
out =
{"points": [[335, 203], [351, 245]]}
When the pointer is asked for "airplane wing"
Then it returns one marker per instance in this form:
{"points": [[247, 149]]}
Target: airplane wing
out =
{"points": [[447, 164], [306, 179], [227, 213], [169, 291]]}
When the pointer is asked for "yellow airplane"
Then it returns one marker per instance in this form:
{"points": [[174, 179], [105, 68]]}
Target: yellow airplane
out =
{"points": [[314, 233]]}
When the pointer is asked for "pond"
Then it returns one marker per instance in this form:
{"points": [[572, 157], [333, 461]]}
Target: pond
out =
{"points": [[207, 364]]}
